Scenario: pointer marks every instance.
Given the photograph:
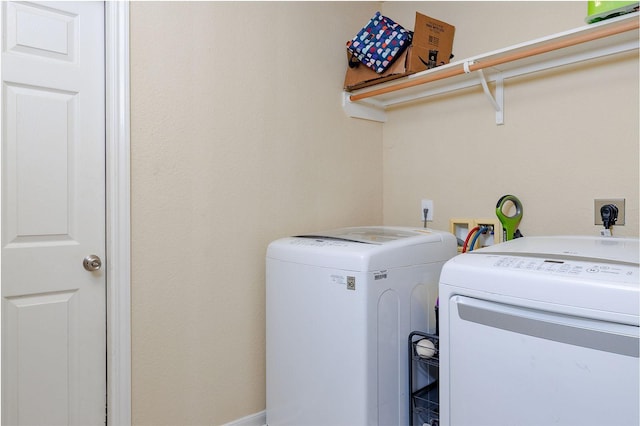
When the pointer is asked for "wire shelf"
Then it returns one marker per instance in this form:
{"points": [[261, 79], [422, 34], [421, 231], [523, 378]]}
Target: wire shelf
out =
{"points": [[423, 379]]}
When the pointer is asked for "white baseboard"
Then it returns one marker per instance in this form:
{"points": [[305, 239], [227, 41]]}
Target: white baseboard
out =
{"points": [[257, 419]]}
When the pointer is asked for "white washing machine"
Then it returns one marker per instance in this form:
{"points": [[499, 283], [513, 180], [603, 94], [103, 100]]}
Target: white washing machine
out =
{"points": [[541, 331], [340, 306]]}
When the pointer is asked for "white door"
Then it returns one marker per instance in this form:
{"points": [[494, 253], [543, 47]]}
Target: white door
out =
{"points": [[53, 213]]}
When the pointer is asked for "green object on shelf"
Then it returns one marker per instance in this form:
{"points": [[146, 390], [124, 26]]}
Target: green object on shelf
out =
{"points": [[597, 10]]}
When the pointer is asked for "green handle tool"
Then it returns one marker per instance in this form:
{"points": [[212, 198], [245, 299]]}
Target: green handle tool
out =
{"points": [[509, 223]]}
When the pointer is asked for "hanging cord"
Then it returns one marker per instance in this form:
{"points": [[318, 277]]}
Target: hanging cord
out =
{"points": [[469, 235]]}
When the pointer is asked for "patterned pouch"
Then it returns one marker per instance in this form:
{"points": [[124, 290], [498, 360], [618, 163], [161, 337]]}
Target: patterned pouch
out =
{"points": [[379, 43]]}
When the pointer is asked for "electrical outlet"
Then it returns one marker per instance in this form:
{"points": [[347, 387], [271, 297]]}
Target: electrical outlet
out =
{"points": [[426, 204], [598, 203]]}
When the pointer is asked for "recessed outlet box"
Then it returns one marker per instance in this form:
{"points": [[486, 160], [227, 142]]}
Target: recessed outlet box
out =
{"points": [[599, 202], [426, 204], [460, 227], [494, 234]]}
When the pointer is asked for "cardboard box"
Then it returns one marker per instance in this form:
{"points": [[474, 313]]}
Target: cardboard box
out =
{"points": [[432, 43], [363, 76], [431, 46]]}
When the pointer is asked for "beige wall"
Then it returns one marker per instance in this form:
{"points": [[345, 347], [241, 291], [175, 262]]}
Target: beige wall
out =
{"points": [[570, 135], [238, 138]]}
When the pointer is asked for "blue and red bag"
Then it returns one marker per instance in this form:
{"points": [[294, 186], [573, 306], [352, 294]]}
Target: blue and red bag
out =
{"points": [[379, 43]]}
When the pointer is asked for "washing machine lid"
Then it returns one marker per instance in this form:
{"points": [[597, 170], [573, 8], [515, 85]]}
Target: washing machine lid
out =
{"points": [[585, 248], [365, 234], [368, 248]]}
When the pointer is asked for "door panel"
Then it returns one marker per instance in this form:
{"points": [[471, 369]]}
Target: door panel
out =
{"points": [[41, 378], [28, 153], [40, 30], [53, 213]]}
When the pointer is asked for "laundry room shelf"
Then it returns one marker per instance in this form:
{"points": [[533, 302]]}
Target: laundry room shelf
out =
{"points": [[609, 37]]}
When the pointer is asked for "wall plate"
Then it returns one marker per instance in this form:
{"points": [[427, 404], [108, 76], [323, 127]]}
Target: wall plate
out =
{"points": [[426, 204]]}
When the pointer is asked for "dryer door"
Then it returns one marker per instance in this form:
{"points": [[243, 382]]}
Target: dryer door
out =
{"points": [[512, 365]]}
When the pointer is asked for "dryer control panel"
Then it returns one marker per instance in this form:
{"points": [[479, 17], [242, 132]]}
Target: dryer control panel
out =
{"points": [[585, 269]]}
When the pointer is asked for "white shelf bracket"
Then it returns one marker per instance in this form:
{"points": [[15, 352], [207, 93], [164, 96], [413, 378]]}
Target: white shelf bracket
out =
{"points": [[498, 101], [364, 111]]}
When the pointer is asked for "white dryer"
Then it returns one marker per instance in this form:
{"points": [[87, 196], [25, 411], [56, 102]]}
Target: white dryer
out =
{"points": [[339, 308], [541, 331]]}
